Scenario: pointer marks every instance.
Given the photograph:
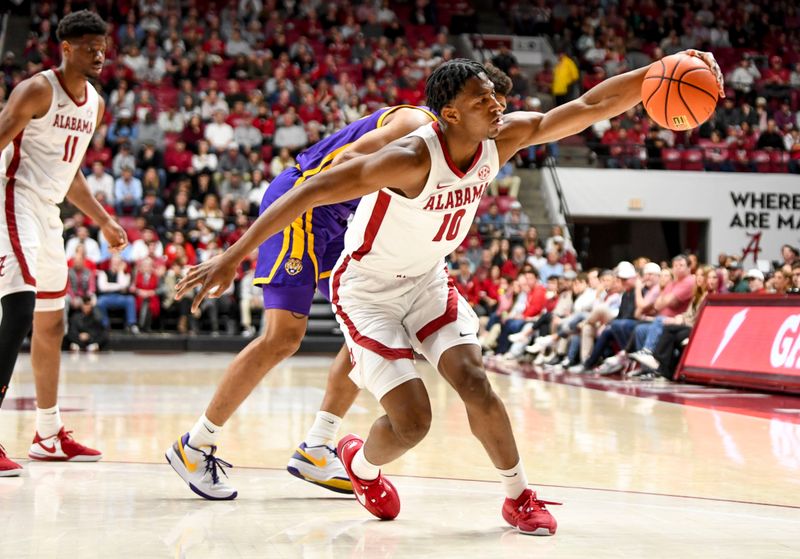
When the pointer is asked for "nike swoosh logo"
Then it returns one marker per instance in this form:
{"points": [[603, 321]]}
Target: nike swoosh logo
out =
{"points": [[209, 430], [62, 105], [318, 462], [190, 466], [462, 334], [329, 421], [440, 186], [512, 475], [50, 449]]}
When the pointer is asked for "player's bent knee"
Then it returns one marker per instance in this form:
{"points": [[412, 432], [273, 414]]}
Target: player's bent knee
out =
{"points": [[285, 342], [474, 387], [413, 427]]}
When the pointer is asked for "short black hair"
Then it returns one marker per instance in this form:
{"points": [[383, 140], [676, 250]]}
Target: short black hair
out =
{"points": [[80, 23], [448, 80], [502, 83]]}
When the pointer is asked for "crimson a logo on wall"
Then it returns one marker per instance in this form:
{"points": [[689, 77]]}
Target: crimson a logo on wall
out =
{"points": [[484, 172]]}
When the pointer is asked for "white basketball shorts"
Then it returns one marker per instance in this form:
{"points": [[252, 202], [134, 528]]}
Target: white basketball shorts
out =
{"points": [[386, 319], [32, 254]]}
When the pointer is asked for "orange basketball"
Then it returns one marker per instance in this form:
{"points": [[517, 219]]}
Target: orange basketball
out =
{"points": [[679, 92]]}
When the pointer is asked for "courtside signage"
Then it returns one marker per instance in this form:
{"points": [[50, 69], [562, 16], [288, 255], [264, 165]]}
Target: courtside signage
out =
{"points": [[748, 341]]}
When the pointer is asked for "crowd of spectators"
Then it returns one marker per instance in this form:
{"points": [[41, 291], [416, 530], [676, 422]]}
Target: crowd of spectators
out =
{"points": [[757, 44], [633, 319], [208, 101]]}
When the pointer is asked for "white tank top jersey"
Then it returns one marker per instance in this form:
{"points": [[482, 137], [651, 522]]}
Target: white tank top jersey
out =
{"points": [[394, 235], [44, 158]]}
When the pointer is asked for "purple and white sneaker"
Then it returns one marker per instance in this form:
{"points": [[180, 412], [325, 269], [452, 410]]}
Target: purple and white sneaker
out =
{"points": [[200, 469]]}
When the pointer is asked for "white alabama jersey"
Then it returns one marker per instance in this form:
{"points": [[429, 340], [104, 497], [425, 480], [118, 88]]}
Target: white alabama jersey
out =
{"points": [[44, 158], [403, 237]]}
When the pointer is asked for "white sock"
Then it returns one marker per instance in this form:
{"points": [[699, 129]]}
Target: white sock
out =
{"points": [[363, 468], [204, 433], [514, 480], [48, 421], [324, 430]]}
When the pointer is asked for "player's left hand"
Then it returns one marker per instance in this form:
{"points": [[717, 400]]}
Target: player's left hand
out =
{"points": [[711, 62], [115, 235], [212, 276]]}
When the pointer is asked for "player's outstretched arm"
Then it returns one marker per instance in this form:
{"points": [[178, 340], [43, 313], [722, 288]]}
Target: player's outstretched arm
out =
{"points": [[608, 99], [30, 99], [402, 165], [403, 121]]}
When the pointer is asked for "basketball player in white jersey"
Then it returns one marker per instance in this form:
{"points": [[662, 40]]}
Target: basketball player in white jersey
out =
{"points": [[390, 290], [45, 129]]}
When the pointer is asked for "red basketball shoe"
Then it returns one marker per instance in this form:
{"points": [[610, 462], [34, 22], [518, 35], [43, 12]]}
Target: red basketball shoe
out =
{"points": [[61, 447], [8, 468], [378, 496], [529, 515]]}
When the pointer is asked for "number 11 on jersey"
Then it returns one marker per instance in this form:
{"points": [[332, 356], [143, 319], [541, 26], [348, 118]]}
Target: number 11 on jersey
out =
{"points": [[69, 148], [454, 221]]}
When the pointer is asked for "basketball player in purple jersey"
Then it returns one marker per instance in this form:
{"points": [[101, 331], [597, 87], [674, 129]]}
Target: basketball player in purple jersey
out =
{"points": [[44, 131], [388, 287], [291, 265]]}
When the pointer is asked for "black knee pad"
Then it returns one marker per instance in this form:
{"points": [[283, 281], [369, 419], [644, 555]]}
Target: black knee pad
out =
{"points": [[15, 324]]}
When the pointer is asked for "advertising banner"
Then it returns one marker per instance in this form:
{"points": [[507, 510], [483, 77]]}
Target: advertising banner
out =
{"points": [[746, 340]]}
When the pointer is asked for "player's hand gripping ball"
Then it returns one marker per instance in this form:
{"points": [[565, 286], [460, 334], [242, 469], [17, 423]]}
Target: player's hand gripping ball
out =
{"points": [[680, 91]]}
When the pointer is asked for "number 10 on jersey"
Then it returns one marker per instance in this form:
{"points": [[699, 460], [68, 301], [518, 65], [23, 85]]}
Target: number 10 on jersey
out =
{"points": [[450, 224], [69, 148]]}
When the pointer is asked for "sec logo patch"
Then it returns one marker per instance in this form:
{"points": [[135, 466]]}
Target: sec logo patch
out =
{"points": [[293, 266], [484, 172]]}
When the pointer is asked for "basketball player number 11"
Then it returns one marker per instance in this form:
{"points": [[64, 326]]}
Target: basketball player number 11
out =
{"points": [[454, 222], [69, 148]]}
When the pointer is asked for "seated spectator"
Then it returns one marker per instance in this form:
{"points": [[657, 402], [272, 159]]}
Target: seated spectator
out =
{"points": [[123, 130], [743, 78], [124, 158], [232, 159], [127, 192], [171, 121], [169, 305], [715, 154], [146, 245], [233, 189], [114, 292], [775, 80], [282, 161], [145, 288], [258, 188], [211, 213], [150, 132], [515, 222], [178, 161], [100, 181], [180, 209], [512, 266], [290, 134], [247, 136], [218, 132], [91, 249], [86, 330], [213, 104], [98, 151], [771, 138], [193, 132], [755, 281], [552, 266], [204, 161], [80, 281]]}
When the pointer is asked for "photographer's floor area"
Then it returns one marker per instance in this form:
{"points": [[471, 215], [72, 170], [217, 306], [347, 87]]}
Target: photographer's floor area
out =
{"points": [[638, 476]]}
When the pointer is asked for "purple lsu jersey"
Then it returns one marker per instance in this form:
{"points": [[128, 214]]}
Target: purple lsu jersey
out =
{"points": [[292, 263]]}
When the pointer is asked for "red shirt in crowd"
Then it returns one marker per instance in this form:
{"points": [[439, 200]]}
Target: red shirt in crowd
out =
{"points": [[178, 161], [537, 301]]}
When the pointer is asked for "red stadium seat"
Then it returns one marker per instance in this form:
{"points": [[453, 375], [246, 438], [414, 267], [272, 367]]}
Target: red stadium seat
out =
{"points": [[692, 160], [761, 160], [672, 159], [779, 162]]}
